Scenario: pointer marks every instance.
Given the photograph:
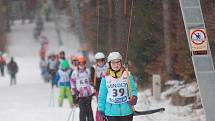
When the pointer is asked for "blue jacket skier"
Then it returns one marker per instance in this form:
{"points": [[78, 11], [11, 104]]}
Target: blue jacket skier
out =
{"points": [[113, 100], [62, 78]]}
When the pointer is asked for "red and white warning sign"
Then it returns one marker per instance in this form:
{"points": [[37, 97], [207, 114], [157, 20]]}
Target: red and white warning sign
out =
{"points": [[198, 39]]}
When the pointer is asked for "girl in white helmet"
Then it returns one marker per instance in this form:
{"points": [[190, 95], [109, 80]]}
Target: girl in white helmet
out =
{"points": [[97, 72], [113, 100]]}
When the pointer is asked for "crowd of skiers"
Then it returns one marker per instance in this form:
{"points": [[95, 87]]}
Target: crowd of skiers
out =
{"points": [[107, 79], [11, 67]]}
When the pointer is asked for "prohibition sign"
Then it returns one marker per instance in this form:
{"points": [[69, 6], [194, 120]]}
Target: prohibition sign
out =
{"points": [[198, 36]]}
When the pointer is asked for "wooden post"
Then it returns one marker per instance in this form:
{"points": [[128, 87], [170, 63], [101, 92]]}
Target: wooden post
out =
{"points": [[156, 86], [97, 7]]}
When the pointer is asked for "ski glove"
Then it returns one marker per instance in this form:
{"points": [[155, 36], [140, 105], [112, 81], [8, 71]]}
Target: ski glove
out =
{"points": [[133, 100]]}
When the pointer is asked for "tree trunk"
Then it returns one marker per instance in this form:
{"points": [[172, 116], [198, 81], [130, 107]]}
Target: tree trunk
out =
{"points": [[167, 36], [110, 24], [3, 10], [120, 21], [86, 19]]}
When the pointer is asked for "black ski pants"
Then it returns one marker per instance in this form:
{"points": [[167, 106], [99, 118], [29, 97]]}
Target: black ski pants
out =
{"points": [[12, 79], [86, 112], [120, 118]]}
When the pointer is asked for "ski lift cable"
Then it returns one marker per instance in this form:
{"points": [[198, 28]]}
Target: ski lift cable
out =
{"points": [[136, 113], [98, 24], [129, 31], [126, 67]]}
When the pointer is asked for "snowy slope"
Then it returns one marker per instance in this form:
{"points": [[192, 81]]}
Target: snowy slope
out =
{"points": [[29, 100]]}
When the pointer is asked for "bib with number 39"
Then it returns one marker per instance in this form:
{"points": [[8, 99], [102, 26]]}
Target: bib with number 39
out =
{"points": [[117, 89]]}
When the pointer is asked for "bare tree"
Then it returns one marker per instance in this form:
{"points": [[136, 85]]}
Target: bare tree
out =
{"points": [[167, 36]]}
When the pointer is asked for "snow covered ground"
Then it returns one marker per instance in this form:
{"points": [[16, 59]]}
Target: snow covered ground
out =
{"points": [[29, 100]]}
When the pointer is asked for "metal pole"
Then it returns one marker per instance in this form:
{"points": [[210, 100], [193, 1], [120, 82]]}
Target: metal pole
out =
{"points": [[71, 114], [202, 62], [52, 98]]}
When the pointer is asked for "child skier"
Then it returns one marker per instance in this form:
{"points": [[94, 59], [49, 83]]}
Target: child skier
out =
{"points": [[98, 71], [113, 99], [63, 79], [53, 64], [74, 62], [62, 56], [74, 65], [44, 69], [81, 86]]}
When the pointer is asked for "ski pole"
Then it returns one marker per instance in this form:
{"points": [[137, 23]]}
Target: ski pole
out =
{"points": [[71, 114], [51, 100]]}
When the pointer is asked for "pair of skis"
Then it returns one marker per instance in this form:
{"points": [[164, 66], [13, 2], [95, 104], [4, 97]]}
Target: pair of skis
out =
{"points": [[72, 114]]}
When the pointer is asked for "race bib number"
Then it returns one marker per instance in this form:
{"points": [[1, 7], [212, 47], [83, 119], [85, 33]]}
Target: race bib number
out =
{"points": [[82, 83], [117, 92]]}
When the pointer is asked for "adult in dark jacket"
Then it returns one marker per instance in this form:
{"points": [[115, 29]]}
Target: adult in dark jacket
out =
{"points": [[12, 68]]}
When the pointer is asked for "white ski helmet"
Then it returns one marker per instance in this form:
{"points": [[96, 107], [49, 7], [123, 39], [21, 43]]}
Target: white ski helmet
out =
{"points": [[99, 55], [114, 56]]}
